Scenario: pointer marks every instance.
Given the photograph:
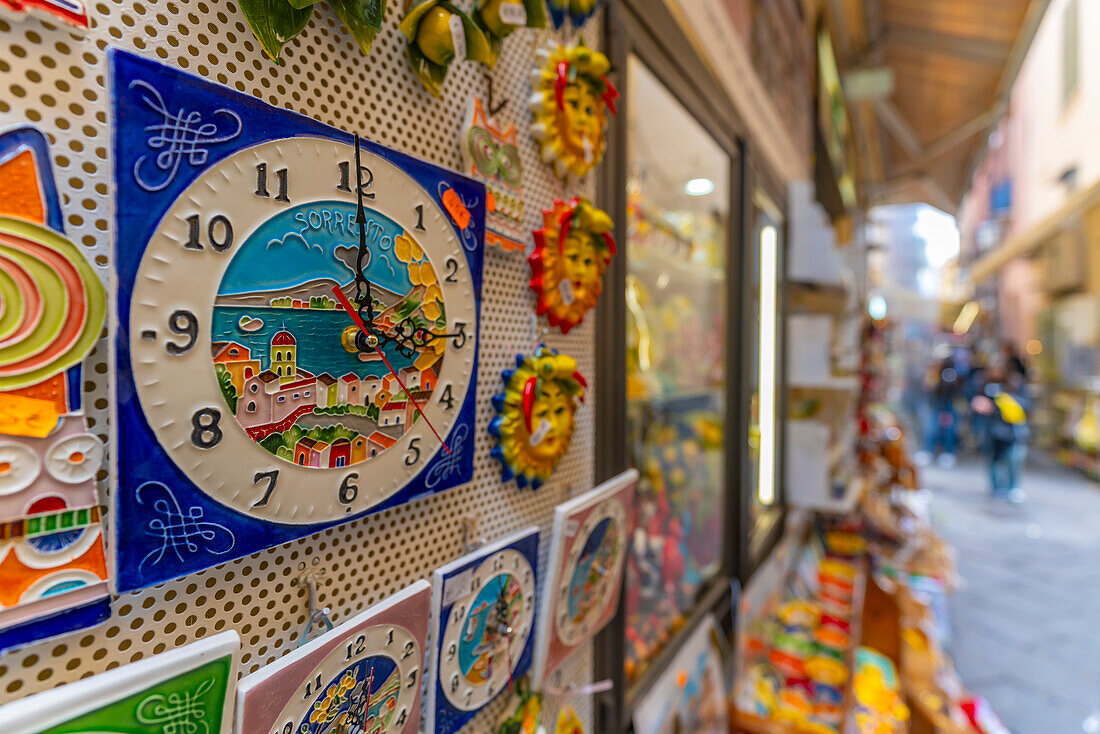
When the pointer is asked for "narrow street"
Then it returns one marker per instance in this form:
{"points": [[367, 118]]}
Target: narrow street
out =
{"points": [[1026, 622]]}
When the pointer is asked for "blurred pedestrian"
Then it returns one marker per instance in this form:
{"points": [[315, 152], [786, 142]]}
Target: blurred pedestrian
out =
{"points": [[1003, 404], [942, 437]]}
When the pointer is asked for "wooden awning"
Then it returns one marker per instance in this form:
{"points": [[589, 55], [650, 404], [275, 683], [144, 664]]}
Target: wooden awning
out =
{"points": [[954, 62]]}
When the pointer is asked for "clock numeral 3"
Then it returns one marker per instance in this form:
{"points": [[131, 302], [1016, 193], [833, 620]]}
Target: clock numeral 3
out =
{"points": [[345, 179], [261, 183], [206, 433], [460, 335], [414, 452], [272, 478], [183, 323], [349, 490], [219, 232], [452, 270]]}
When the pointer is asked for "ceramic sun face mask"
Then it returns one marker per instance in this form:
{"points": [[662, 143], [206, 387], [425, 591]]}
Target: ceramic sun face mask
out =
{"points": [[535, 415], [571, 103], [572, 251]]}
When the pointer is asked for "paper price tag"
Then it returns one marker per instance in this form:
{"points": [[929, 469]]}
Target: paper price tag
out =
{"points": [[457, 587], [458, 37], [458, 211], [540, 432], [571, 528], [513, 14], [565, 288], [22, 416]]}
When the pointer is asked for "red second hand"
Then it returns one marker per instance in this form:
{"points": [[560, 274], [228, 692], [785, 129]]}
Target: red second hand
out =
{"points": [[346, 304]]}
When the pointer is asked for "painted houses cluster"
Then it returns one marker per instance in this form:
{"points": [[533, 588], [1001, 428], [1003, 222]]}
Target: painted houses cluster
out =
{"points": [[273, 399]]}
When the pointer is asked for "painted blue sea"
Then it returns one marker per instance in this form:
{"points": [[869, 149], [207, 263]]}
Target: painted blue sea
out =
{"points": [[317, 332]]}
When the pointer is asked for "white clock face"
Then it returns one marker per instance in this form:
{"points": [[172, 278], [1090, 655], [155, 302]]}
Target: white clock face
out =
{"points": [[591, 571], [366, 684], [237, 339], [486, 631]]}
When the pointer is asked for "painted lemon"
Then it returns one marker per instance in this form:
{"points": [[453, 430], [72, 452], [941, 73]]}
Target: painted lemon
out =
{"points": [[433, 37]]}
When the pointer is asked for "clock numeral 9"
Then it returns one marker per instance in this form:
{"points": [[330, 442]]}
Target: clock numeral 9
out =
{"points": [[219, 232], [349, 490], [414, 452], [451, 650], [183, 323], [345, 179], [206, 433], [261, 183], [452, 270]]}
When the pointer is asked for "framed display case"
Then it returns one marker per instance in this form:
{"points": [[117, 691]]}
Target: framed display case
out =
{"points": [[673, 182], [762, 369]]}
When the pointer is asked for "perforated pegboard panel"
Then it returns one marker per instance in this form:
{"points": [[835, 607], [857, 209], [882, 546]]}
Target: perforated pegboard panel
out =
{"points": [[56, 78]]}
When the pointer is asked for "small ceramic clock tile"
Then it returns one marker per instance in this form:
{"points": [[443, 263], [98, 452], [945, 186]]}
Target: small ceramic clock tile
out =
{"points": [[189, 689], [483, 621], [587, 550], [365, 675]]}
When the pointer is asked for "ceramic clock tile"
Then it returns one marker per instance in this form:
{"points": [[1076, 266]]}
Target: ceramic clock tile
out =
{"points": [[365, 675], [587, 550], [691, 693], [483, 621], [70, 11], [53, 570], [293, 349], [184, 691]]}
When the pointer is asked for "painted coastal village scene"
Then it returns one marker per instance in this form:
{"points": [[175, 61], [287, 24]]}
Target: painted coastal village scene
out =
{"points": [[278, 347]]}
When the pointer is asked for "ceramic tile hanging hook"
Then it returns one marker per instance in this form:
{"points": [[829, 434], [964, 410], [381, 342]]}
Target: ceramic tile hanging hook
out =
{"points": [[471, 541], [311, 575], [494, 108], [575, 689]]}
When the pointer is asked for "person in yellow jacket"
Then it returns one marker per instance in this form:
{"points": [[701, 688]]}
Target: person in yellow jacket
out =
{"points": [[1003, 402]]}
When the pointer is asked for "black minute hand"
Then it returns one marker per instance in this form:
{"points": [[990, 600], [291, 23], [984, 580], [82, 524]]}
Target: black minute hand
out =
{"points": [[363, 297]]}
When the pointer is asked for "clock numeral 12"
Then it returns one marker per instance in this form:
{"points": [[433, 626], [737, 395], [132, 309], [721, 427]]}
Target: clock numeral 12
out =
{"points": [[356, 648], [219, 232], [345, 179], [261, 183]]}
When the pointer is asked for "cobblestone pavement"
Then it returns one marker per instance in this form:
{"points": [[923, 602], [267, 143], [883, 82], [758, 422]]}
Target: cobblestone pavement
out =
{"points": [[1026, 623]]}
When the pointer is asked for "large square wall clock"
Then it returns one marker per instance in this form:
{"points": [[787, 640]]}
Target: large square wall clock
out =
{"points": [[587, 552], [363, 676], [297, 324], [483, 621], [188, 690], [53, 569]]}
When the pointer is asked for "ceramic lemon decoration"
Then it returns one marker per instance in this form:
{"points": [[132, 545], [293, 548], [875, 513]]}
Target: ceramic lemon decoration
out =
{"points": [[437, 33], [497, 19]]}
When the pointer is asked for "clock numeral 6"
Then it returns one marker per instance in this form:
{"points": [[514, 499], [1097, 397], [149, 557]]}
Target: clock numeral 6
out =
{"points": [[414, 452], [345, 179], [348, 489], [261, 183], [219, 232], [205, 431], [182, 323]]}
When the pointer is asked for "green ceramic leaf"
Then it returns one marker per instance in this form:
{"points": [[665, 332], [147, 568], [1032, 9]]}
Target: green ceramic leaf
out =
{"points": [[303, 3], [362, 17], [536, 13], [275, 23], [430, 75]]}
